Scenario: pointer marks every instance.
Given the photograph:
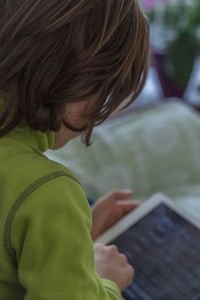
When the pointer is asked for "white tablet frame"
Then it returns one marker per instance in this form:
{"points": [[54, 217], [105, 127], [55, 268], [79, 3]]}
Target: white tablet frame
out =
{"points": [[139, 213]]}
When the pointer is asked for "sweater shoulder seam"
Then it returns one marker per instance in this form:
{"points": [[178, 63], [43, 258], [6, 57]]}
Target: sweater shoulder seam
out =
{"points": [[18, 202], [112, 290]]}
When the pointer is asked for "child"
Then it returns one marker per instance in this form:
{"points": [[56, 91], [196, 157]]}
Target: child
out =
{"points": [[65, 66]]}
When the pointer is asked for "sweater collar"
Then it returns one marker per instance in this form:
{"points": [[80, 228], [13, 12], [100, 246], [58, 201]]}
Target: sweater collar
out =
{"points": [[41, 141], [38, 140]]}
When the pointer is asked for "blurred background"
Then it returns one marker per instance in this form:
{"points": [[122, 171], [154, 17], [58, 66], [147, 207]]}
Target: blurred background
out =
{"points": [[175, 51]]}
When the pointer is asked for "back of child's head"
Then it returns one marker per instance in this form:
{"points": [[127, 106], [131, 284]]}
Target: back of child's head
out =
{"points": [[56, 52]]}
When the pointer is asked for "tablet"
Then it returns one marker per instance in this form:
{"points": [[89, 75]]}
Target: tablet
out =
{"points": [[162, 242]]}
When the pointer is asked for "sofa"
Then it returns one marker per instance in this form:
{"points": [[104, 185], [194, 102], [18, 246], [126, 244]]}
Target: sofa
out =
{"points": [[151, 150]]}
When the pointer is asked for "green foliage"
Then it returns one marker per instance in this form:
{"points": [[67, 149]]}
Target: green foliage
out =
{"points": [[182, 47], [195, 15], [180, 58]]}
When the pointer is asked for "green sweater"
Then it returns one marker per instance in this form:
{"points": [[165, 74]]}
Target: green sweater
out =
{"points": [[46, 252]]}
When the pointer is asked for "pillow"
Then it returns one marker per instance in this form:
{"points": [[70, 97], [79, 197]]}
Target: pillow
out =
{"points": [[148, 152]]}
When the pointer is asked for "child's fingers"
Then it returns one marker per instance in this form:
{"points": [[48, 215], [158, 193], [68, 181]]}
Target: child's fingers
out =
{"points": [[128, 205], [133, 203], [120, 194]]}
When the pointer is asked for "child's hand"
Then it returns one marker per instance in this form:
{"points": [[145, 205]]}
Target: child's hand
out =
{"points": [[110, 209], [112, 265]]}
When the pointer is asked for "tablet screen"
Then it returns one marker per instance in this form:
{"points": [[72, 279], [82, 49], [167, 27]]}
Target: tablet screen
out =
{"points": [[164, 249]]}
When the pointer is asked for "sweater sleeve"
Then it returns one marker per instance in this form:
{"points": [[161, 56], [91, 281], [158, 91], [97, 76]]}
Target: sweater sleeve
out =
{"points": [[50, 235]]}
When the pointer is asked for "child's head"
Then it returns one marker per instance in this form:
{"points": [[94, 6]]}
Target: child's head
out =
{"points": [[57, 52]]}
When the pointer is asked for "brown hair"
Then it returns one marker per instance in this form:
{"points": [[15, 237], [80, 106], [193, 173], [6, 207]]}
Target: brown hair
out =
{"points": [[57, 52]]}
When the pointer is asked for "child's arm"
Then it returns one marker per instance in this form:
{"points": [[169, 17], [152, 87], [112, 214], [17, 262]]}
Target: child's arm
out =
{"points": [[50, 235]]}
